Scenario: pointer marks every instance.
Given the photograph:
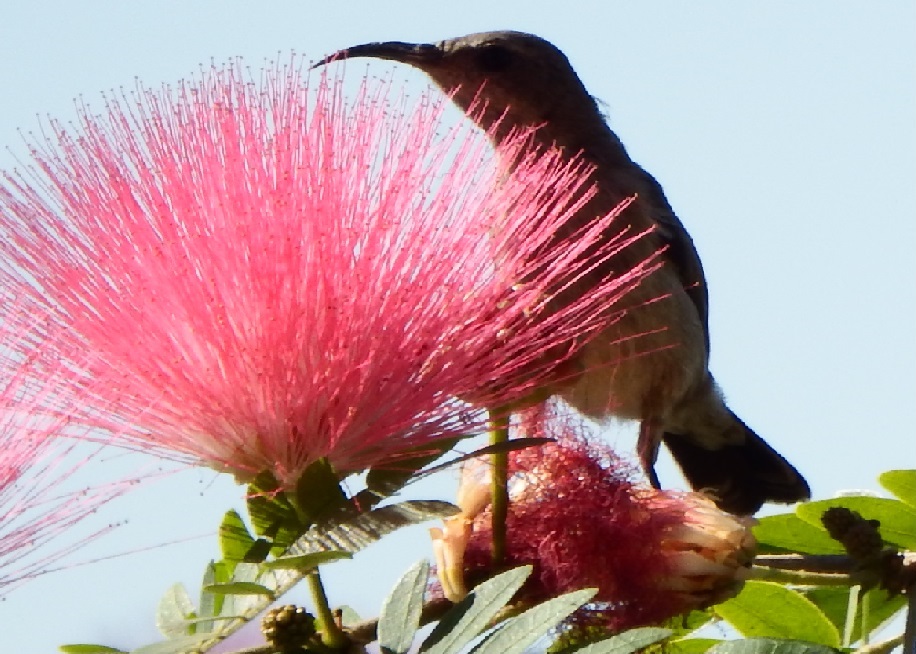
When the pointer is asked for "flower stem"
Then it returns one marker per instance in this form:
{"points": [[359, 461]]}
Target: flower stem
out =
{"points": [[499, 433], [331, 634]]}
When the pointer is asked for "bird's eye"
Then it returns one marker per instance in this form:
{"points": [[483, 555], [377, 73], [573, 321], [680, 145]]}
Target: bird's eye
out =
{"points": [[494, 58]]}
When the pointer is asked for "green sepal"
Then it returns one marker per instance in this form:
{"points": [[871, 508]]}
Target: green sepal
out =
{"points": [[90, 649], [317, 494], [272, 514]]}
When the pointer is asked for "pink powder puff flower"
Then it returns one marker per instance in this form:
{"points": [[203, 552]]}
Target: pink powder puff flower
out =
{"points": [[39, 501], [576, 516], [266, 273]]}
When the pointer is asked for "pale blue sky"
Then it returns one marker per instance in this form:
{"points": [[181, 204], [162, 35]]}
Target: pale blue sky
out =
{"points": [[784, 134]]}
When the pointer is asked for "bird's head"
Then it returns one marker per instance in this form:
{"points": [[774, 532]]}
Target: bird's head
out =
{"points": [[492, 75]]}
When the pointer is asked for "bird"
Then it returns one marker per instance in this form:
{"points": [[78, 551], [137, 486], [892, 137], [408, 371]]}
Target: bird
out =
{"points": [[652, 365]]}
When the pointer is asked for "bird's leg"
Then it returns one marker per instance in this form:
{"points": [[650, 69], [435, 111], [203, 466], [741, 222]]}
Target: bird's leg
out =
{"points": [[650, 439]]}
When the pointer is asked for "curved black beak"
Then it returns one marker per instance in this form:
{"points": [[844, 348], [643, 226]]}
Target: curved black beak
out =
{"points": [[416, 54]]}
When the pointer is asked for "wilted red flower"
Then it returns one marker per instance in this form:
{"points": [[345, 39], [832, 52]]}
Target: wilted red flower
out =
{"points": [[577, 517], [267, 273], [38, 501]]}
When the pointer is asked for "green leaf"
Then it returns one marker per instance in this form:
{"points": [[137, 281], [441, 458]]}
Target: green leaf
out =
{"points": [[833, 601], [306, 562], [234, 539], [682, 625], [400, 615], [90, 649], [898, 520], [181, 645], [249, 604], [515, 635], [470, 616], [627, 642], [766, 609], [768, 646], [239, 588], [356, 532], [789, 533], [318, 493], [348, 616], [691, 645], [173, 612], [347, 531], [901, 483], [192, 625], [211, 604]]}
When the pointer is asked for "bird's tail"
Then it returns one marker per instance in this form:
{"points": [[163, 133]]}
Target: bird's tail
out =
{"points": [[740, 478]]}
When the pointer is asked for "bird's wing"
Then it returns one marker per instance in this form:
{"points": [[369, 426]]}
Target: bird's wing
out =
{"points": [[681, 251]]}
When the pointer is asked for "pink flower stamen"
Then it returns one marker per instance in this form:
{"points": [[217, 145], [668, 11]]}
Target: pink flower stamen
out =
{"points": [[265, 273]]}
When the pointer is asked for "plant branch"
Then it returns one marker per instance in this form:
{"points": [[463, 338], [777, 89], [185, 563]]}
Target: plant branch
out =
{"points": [[799, 577], [823, 563]]}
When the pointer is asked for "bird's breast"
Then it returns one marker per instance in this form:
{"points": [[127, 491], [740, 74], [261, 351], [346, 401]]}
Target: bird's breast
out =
{"points": [[647, 361]]}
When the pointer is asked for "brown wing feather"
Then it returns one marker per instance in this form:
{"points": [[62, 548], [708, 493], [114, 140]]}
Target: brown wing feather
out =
{"points": [[681, 251]]}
